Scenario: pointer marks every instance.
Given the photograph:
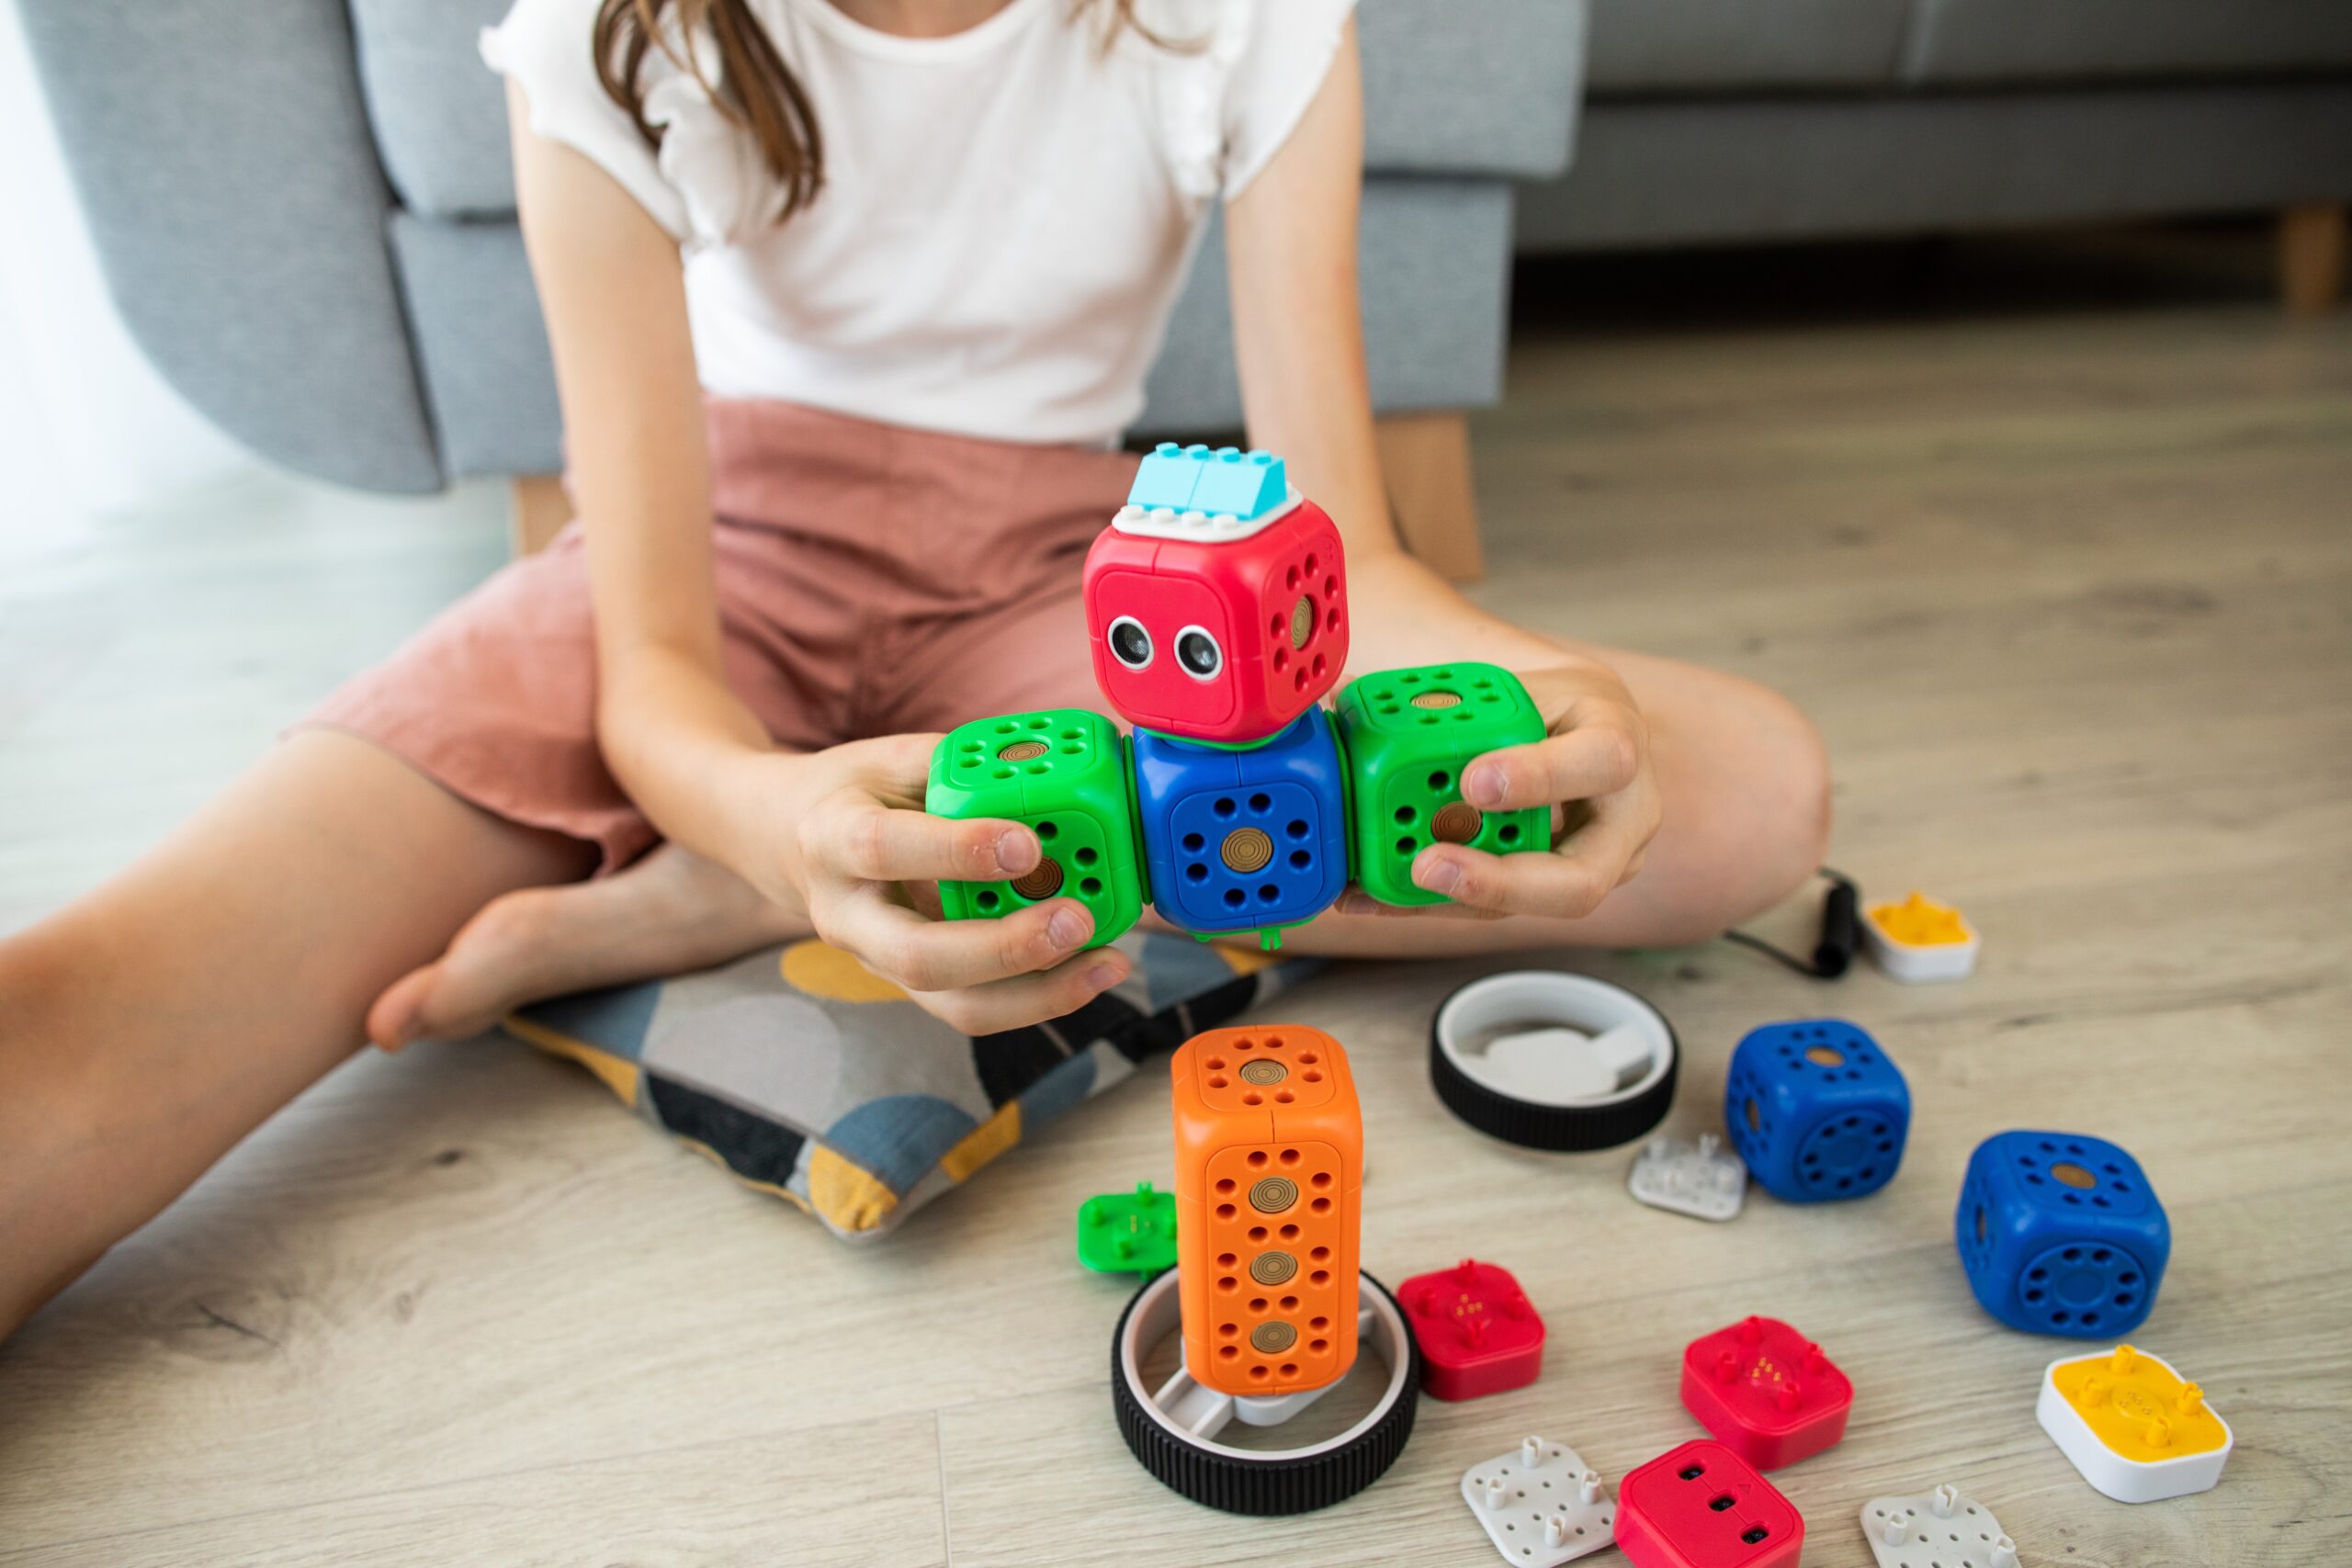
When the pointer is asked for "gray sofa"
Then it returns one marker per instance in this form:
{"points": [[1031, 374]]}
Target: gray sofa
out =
{"points": [[306, 215], [1716, 121]]}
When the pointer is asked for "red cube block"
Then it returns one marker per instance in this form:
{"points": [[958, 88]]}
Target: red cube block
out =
{"points": [[1766, 1391], [1702, 1505], [1217, 627], [1478, 1334]]}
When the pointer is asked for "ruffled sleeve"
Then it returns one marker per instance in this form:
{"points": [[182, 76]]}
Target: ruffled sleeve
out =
{"points": [[703, 183], [1239, 81]]}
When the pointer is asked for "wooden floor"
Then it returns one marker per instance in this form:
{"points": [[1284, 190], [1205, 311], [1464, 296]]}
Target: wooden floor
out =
{"points": [[2069, 587]]}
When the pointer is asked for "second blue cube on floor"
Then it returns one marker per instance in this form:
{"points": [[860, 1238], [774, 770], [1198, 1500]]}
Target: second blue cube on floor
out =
{"points": [[1240, 839], [1816, 1109], [2061, 1234]]}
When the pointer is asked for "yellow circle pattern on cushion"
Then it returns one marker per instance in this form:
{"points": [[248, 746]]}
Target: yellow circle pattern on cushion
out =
{"points": [[818, 970]]}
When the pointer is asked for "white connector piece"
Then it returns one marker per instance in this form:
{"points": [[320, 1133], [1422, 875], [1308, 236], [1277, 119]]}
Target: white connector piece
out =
{"points": [[1541, 1505], [1703, 1180], [1200, 527], [2137, 1429], [1935, 1529]]}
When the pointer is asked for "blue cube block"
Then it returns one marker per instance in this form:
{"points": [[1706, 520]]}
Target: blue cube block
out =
{"points": [[1816, 1109], [2061, 1234], [1240, 839]]}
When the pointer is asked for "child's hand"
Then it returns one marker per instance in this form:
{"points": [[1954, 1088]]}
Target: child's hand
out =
{"points": [[864, 861], [1595, 765]]}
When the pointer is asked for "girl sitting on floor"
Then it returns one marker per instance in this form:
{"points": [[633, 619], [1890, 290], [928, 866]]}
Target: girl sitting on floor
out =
{"points": [[849, 302]]}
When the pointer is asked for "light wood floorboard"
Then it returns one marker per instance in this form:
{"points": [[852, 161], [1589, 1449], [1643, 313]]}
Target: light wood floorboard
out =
{"points": [[2071, 596]]}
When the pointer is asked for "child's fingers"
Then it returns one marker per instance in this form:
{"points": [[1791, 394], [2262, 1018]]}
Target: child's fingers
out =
{"points": [[1587, 762], [944, 955], [1029, 999], [854, 837], [1356, 901]]}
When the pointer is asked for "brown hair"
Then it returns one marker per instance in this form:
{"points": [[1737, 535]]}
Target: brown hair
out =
{"points": [[751, 85]]}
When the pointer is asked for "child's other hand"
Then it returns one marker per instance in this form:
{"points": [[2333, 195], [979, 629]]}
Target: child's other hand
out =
{"points": [[1594, 764], [868, 858]]}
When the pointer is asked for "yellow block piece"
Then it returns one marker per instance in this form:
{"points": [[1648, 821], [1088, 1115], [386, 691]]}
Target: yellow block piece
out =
{"points": [[2139, 1407], [1920, 921]]}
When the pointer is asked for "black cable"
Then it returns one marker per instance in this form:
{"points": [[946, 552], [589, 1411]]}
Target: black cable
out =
{"points": [[1841, 932]]}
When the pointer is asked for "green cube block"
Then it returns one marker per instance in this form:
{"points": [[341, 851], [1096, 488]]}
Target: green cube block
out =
{"points": [[1407, 735], [1064, 773], [1122, 1233]]}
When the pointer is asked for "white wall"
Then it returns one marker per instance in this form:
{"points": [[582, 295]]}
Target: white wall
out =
{"points": [[85, 427]]}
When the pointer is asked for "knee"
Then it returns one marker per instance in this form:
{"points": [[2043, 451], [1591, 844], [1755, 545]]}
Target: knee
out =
{"points": [[1793, 799], [1751, 824]]}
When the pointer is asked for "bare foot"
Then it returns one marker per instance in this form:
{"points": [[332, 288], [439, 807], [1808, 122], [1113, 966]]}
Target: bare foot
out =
{"points": [[670, 912]]}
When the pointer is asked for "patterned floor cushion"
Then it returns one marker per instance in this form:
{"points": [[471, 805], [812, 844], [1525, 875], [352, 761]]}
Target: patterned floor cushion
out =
{"points": [[807, 1077]]}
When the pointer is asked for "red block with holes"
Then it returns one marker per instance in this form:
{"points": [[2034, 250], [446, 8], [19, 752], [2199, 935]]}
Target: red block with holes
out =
{"points": [[1766, 1391], [1217, 638], [1478, 1334], [1702, 1505]]}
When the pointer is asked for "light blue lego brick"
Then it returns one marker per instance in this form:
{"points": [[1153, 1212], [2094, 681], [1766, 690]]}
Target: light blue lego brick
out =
{"points": [[1226, 481], [1167, 477], [1243, 484]]}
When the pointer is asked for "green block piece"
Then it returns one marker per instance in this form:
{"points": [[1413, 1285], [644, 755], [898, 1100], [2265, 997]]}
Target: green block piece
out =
{"points": [[1121, 1233], [1407, 734], [1063, 773]]}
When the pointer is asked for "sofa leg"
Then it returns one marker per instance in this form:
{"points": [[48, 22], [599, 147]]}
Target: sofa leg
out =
{"points": [[2311, 257], [1425, 460], [536, 510]]}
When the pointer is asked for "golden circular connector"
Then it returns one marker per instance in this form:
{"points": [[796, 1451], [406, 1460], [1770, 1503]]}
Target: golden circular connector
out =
{"points": [[1437, 699], [1274, 1194], [1263, 1070], [1043, 882], [1245, 849], [1021, 751], [1457, 823], [1272, 1338], [1273, 1268], [1302, 621]]}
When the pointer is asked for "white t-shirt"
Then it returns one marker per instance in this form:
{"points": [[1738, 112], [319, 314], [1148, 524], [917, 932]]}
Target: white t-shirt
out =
{"points": [[1007, 212]]}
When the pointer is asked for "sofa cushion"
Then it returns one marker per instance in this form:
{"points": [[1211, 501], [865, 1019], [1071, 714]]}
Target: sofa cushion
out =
{"points": [[1484, 90], [1986, 42], [1736, 46]]}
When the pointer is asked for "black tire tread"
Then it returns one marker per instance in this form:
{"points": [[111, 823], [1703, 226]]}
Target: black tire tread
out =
{"points": [[1271, 1486]]}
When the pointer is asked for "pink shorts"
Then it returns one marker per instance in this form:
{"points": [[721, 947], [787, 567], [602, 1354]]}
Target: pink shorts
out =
{"points": [[872, 580]]}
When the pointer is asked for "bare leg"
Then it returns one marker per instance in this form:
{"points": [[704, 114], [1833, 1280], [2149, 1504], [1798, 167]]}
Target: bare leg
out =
{"points": [[670, 912], [156, 1022]]}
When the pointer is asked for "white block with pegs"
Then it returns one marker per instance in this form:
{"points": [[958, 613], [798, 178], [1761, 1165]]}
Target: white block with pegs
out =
{"points": [[1542, 1505], [1941, 1528], [2135, 1427], [1702, 1179]]}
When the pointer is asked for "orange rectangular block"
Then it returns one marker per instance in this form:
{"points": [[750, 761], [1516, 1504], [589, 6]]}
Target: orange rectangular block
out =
{"points": [[1268, 1180]]}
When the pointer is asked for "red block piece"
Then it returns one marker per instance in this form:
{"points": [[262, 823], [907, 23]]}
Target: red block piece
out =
{"points": [[1702, 1505], [1478, 1332], [1217, 638], [1766, 1391]]}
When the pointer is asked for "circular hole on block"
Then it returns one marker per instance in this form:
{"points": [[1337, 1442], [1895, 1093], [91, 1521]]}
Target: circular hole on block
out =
{"points": [[1825, 1055], [1754, 1117], [1440, 779], [2066, 1173]]}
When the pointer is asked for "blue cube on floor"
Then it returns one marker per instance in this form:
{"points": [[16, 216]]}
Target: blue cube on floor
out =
{"points": [[1243, 839], [1816, 1110], [2061, 1234]]}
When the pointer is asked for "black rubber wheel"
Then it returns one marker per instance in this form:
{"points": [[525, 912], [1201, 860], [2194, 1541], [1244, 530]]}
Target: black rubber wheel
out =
{"points": [[1560, 1129], [1219, 1477]]}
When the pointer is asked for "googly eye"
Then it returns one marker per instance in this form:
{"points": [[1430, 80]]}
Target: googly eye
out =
{"points": [[1198, 655], [1130, 644]]}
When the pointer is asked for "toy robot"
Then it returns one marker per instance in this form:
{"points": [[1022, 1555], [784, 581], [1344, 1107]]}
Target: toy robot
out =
{"points": [[1266, 1298]]}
